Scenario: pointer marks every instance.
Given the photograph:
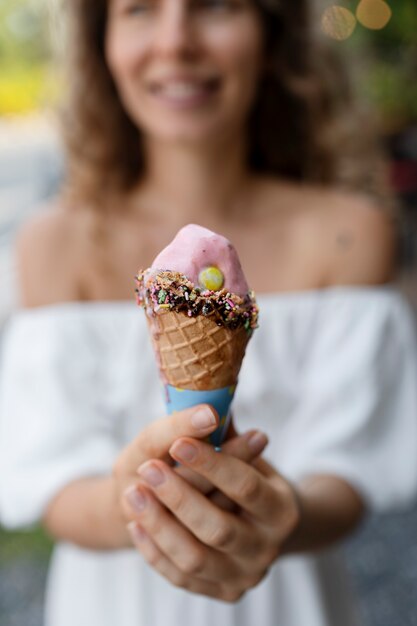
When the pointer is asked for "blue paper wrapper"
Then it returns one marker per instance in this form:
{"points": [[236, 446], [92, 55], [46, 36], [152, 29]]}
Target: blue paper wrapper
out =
{"points": [[220, 399]]}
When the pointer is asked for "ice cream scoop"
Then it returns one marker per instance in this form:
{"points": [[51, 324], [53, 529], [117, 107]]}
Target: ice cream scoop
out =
{"points": [[196, 250]]}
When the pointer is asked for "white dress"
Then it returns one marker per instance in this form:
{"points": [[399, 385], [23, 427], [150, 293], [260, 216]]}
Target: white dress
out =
{"points": [[330, 376]]}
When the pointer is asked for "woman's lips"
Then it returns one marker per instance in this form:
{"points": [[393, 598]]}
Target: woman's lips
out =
{"points": [[182, 93]]}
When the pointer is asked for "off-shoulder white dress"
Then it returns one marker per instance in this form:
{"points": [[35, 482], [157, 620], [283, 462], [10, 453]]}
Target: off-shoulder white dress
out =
{"points": [[330, 375]]}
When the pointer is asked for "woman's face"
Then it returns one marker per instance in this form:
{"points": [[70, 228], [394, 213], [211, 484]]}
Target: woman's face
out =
{"points": [[186, 70]]}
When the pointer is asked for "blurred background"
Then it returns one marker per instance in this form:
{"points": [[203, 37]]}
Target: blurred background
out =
{"points": [[380, 39]]}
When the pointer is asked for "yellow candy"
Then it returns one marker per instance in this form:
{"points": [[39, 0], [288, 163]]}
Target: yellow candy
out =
{"points": [[211, 278]]}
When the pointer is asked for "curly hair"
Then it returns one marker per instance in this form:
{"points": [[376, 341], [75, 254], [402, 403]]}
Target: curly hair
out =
{"points": [[305, 124]]}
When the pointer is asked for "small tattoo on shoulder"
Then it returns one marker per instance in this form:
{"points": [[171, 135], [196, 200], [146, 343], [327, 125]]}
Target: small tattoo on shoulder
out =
{"points": [[345, 241]]}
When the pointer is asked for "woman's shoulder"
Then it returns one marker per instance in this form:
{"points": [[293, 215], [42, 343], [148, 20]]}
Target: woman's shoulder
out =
{"points": [[49, 222], [46, 256], [362, 239], [346, 236]]}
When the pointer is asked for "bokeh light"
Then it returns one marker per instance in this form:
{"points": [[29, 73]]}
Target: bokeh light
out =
{"points": [[373, 14], [338, 22]]}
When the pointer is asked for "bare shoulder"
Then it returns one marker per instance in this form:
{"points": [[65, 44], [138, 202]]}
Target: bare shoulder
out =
{"points": [[359, 240], [45, 249], [325, 237]]}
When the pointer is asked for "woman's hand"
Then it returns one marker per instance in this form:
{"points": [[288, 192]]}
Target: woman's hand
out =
{"points": [[155, 441], [92, 512], [195, 544]]}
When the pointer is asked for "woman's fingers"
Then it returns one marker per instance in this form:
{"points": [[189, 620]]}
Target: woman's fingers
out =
{"points": [[240, 482], [175, 541], [162, 564], [245, 447], [155, 440], [212, 526]]}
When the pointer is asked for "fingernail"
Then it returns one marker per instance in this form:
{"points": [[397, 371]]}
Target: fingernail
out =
{"points": [[184, 451], [152, 474], [257, 442], [203, 418], [136, 532], [136, 499]]}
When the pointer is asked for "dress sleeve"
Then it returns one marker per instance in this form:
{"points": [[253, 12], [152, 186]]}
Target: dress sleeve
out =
{"points": [[357, 414], [9, 287], [52, 428]]}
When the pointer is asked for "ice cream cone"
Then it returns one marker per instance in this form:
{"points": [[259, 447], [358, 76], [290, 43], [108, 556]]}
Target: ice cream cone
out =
{"points": [[201, 315], [195, 353]]}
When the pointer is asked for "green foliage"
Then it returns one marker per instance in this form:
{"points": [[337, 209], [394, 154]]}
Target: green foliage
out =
{"points": [[390, 76], [392, 88], [17, 544], [23, 33], [24, 55]]}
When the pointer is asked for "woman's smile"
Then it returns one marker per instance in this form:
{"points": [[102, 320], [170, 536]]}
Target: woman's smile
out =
{"points": [[182, 92]]}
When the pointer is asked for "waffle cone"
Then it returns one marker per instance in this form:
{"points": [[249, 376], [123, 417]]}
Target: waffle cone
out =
{"points": [[194, 352]]}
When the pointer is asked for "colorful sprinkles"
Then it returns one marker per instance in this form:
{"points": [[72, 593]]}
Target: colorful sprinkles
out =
{"points": [[173, 291]]}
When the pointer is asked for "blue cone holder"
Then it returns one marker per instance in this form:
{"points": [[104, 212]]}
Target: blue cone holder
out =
{"points": [[220, 399]]}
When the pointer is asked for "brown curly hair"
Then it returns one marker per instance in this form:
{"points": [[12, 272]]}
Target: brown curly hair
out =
{"points": [[304, 125]]}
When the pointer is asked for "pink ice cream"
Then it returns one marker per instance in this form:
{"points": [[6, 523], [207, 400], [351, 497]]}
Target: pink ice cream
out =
{"points": [[195, 248]]}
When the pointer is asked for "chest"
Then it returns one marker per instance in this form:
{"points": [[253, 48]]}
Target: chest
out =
{"points": [[272, 251]]}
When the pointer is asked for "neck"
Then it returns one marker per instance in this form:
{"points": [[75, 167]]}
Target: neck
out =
{"points": [[189, 183]]}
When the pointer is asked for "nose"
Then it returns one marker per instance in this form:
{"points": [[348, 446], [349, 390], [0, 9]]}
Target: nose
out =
{"points": [[174, 33]]}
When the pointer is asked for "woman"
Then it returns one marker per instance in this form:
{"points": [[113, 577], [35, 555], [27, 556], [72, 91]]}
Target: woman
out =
{"points": [[214, 112]]}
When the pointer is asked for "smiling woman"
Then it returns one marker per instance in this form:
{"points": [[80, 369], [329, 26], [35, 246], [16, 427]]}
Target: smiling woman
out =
{"points": [[227, 114], [303, 114]]}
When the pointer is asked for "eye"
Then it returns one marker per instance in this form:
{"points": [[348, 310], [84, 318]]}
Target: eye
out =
{"points": [[138, 7], [219, 5]]}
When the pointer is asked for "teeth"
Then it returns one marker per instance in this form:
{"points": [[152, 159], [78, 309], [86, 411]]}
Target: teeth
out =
{"points": [[181, 90]]}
